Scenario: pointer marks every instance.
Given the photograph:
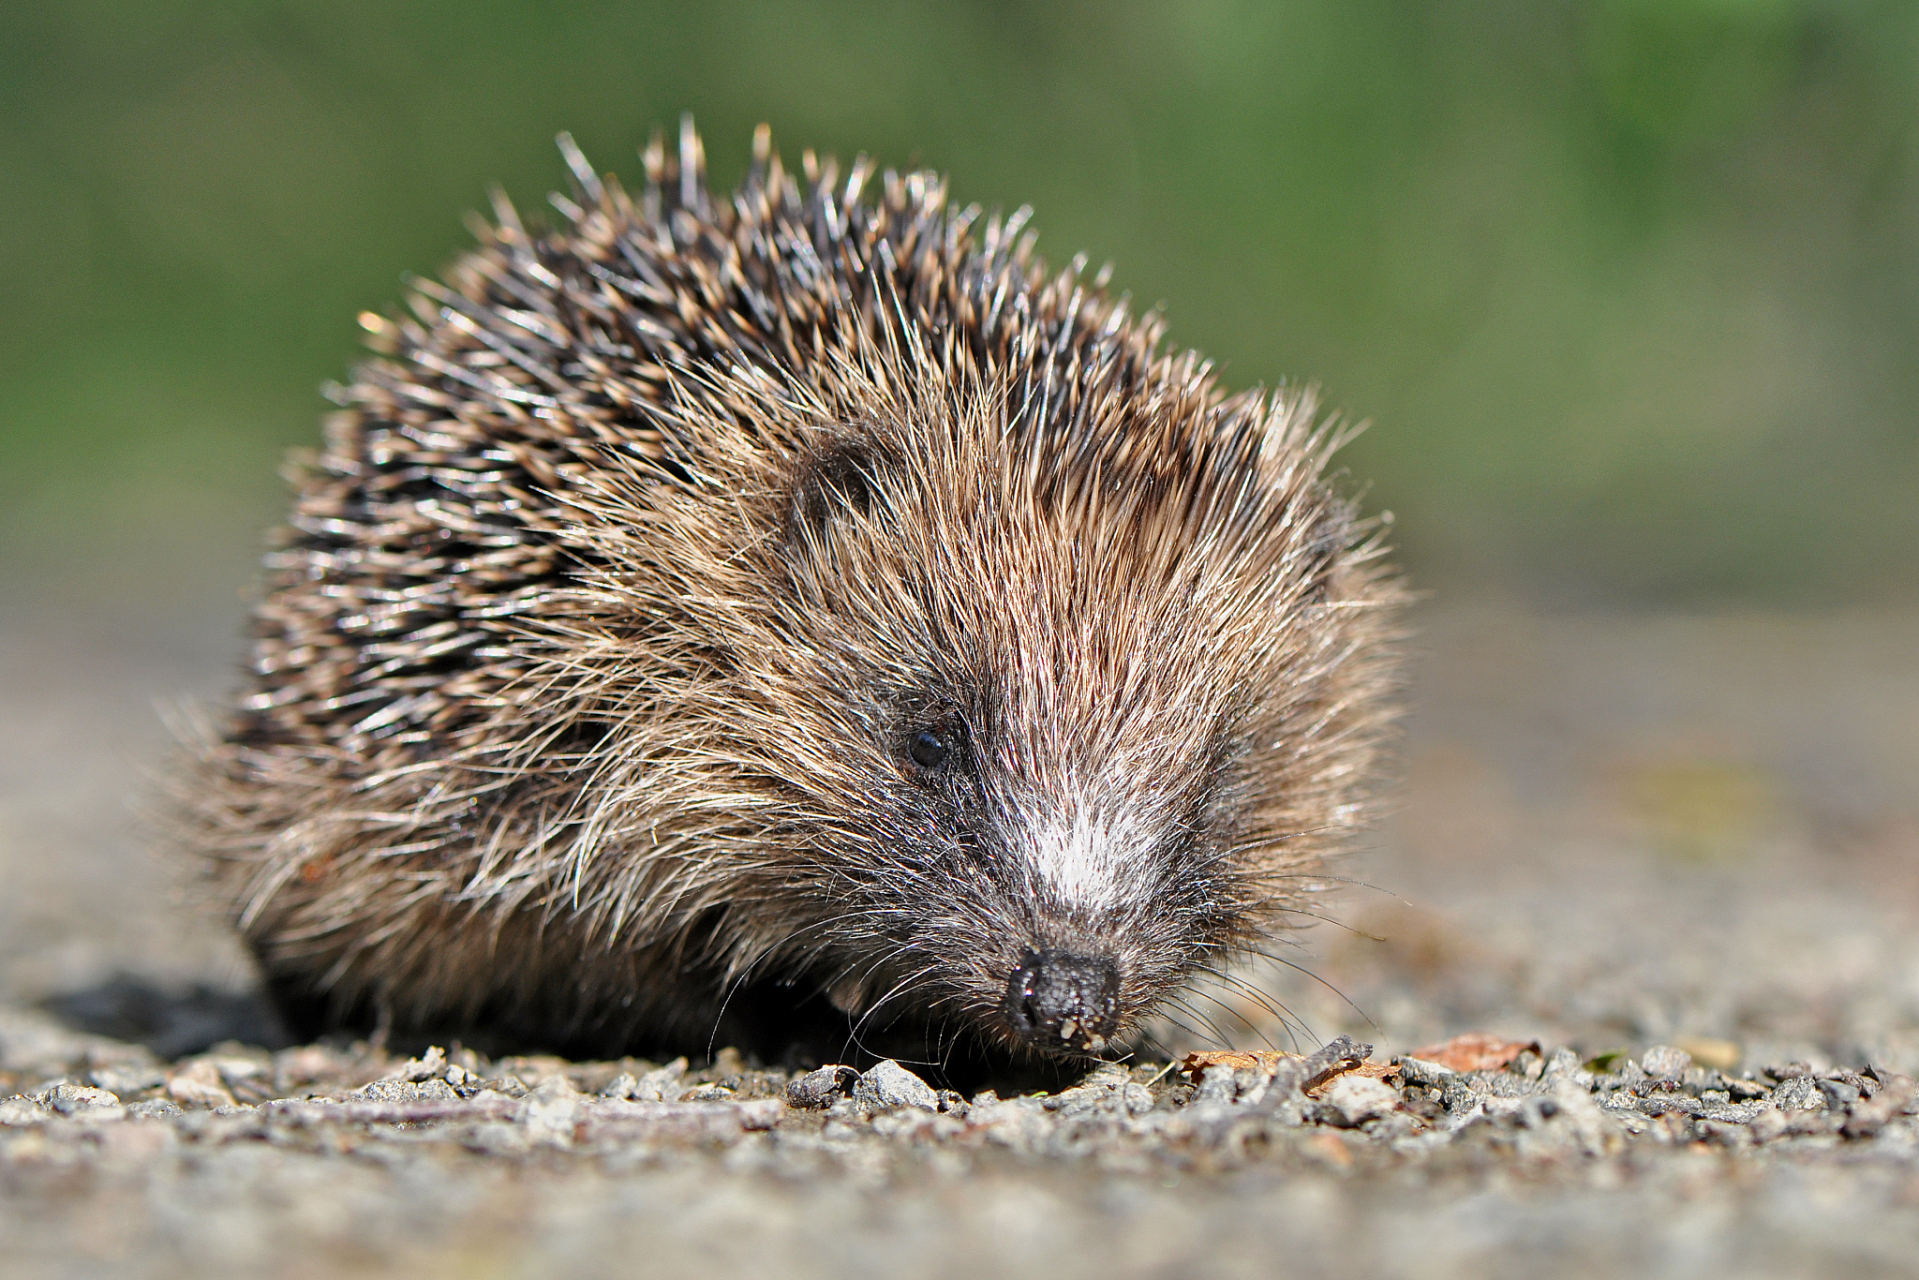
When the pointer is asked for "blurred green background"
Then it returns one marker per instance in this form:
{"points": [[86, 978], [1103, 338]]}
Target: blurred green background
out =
{"points": [[1630, 288]]}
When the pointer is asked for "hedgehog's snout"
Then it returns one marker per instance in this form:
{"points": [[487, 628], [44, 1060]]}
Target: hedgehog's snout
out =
{"points": [[1056, 1000]]}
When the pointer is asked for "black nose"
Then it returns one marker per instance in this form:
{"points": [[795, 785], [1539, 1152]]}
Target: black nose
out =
{"points": [[1055, 1000]]}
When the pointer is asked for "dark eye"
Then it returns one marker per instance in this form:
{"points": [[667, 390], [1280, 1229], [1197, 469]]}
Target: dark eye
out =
{"points": [[928, 749]]}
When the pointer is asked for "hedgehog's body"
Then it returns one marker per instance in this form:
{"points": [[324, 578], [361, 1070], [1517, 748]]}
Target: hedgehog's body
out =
{"points": [[713, 615]]}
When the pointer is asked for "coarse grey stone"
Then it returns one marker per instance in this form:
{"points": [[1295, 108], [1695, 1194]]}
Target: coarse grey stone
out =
{"points": [[709, 1093], [1419, 1071], [662, 1084], [69, 1099], [888, 1084], [20, 1110], [129, 1078], [1663, 1062], [404, 1089], [552, 1111], [1356, 1099], [1866, 1119], [426, 1067], [197, 1083], [1564, 1065], [1100, 1089], [1839, 1093], [1798, 1093], [1216, 1089]]}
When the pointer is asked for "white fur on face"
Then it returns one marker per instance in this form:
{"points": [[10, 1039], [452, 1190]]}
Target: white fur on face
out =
{"points": [[1092, 864]]}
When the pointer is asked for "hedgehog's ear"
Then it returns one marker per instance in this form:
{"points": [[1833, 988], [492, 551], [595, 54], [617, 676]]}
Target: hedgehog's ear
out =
{"points": [[843, 476]]}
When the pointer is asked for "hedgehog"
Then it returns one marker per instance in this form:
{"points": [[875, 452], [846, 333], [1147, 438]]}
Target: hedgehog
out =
{"points": [[792, 618]]}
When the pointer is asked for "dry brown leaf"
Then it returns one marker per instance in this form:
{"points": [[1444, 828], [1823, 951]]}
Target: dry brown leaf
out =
{"points": [[1474, 1051], [1196, 1065]]}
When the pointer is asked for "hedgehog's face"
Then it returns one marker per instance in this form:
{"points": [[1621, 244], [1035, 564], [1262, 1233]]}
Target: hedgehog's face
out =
{"points": [[1050, 748]]}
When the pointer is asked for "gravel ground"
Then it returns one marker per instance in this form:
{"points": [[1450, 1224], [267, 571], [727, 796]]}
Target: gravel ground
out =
{"points": [[1666, 868]]}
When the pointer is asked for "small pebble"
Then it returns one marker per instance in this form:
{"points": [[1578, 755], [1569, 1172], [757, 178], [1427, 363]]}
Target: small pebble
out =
{"points": [[662, 1084], [80, 1099], [888, 1084], [1799, 1093], [14, 1111], [820, 1087], [1357, 1099], [1663, 1062], [128, 1078], [197, 1083]]}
